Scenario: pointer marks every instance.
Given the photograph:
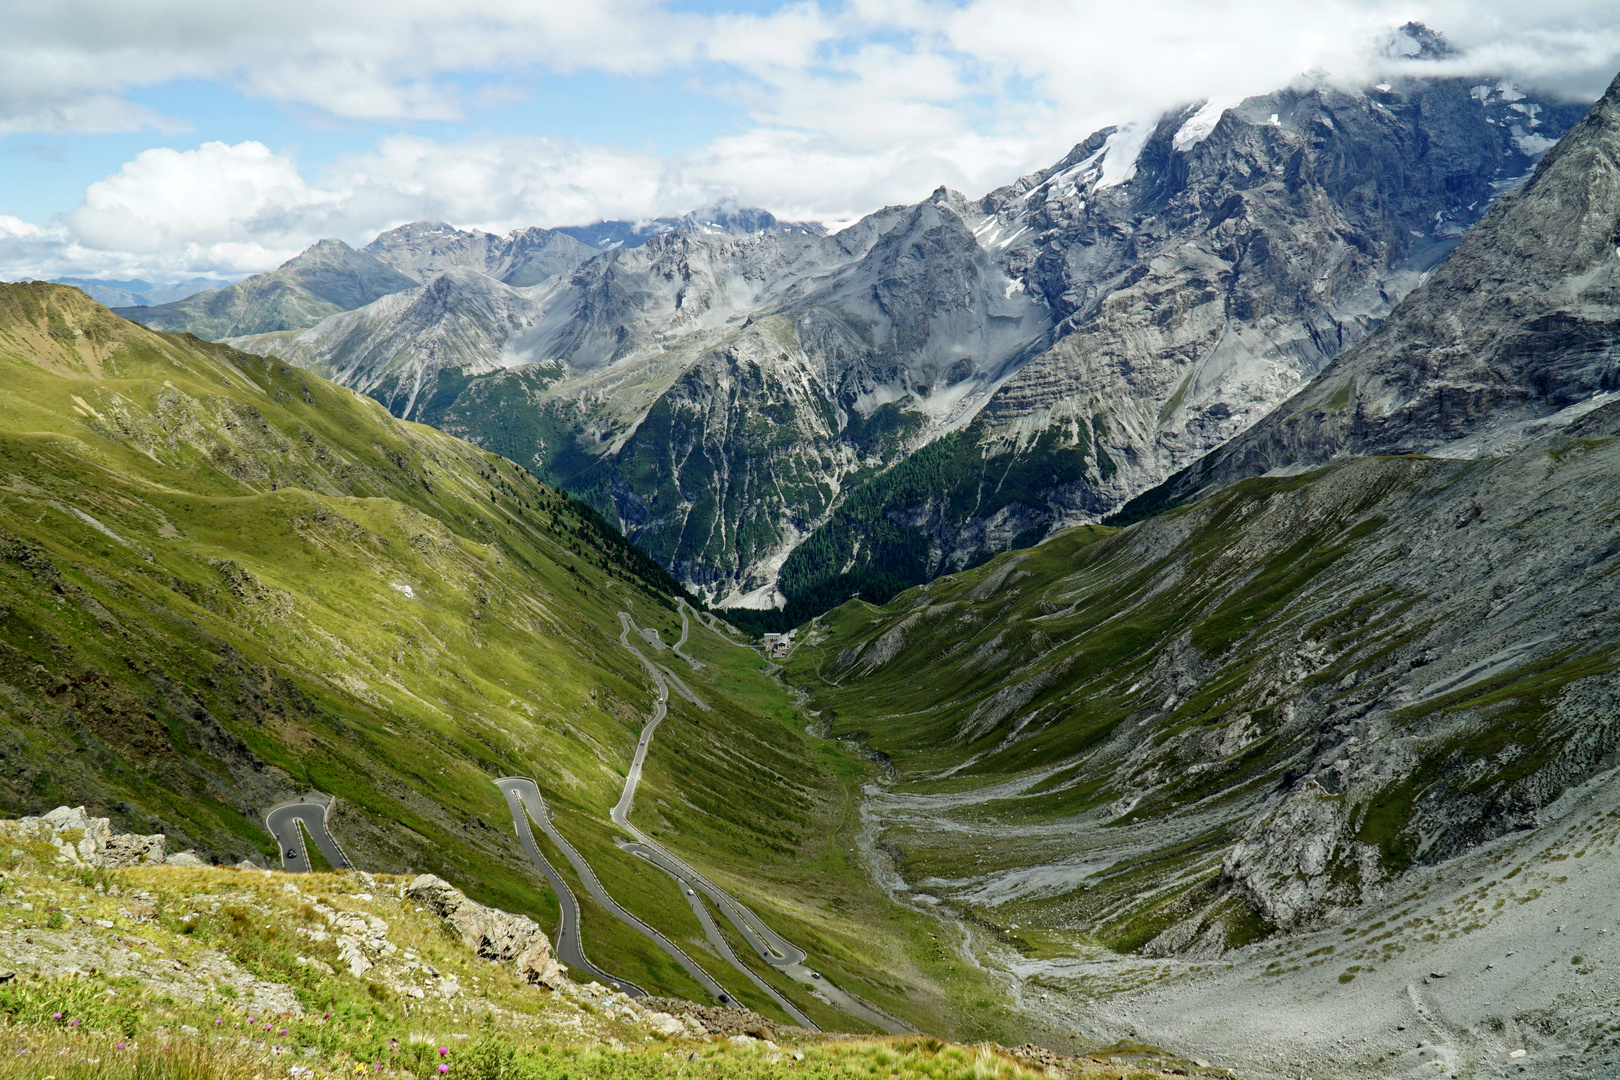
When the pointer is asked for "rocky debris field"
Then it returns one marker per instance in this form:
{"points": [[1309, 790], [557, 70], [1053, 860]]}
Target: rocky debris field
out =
{"points": [[1504, 963]]}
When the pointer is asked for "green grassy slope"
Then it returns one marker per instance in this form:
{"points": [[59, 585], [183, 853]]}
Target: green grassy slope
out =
{"points": [[1086, 731], [224, 581]]}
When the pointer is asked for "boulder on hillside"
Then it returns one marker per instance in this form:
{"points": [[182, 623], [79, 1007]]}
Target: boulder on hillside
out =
{"points": [[131, 849], [493, 934]]}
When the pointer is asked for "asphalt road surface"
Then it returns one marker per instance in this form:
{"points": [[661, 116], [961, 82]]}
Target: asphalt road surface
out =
{"points": [[568, 946], [685, 629], [772, 948], [711, 930], [519, 790], [282, 820], [708, 620], [649, 634]]}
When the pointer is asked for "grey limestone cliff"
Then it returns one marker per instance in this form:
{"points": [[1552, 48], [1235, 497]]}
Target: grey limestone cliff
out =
{"points": [[1511, 338], [1200, 270]]}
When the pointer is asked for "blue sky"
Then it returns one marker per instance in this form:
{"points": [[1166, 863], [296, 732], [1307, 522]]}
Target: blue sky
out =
{"points": [[165, 139], [45, 172]]}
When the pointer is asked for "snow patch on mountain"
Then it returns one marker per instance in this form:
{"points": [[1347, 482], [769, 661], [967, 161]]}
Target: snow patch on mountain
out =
{"points": [[1201, 123], [1124, 148]]}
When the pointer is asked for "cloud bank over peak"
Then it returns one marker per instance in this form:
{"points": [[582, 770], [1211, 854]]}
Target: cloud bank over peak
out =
{"points": [[833, 109]]}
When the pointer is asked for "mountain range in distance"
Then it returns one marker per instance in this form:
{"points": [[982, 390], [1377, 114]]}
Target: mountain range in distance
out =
{"points": [[722, 217], [781, 415], [331, 276], [138, 293]]}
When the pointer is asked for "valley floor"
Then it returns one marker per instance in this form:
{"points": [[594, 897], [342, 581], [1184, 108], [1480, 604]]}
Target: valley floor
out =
{"points": [[1501, 963]]}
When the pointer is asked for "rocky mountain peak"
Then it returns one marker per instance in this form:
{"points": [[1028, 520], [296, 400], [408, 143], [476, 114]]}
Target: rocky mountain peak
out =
{"points": [[448, 294], [413, 230], [326, 252], [729, 217], [1415, 41], [726, 217], [327, 278], [522, 257]]}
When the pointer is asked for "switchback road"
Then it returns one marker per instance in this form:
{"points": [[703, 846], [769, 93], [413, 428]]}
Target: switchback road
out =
{"points": [[525, 802], [708, 620], [771, 947], [521, 793], [685, 629], [282, 821]]}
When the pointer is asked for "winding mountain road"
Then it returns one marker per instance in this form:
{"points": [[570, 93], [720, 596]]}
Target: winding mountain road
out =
{"points": [[685, 630], [772, 948], [521, 793], [525, 802], [711, 622], [649, 634], [282, 821]]}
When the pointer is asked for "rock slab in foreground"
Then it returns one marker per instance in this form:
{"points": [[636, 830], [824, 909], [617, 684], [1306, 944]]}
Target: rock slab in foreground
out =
{"points": [[493, 934], [83, 840]]}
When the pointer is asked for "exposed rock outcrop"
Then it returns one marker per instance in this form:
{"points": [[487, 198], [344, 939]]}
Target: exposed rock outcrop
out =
{"points": [[1300, 865], [493, 934], [89, 841], [730, 1021]]}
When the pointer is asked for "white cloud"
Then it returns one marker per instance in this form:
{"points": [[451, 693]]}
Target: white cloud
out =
{"points": [[847, 106], [244, 208], [64, 68], [216, 194], [504, 183], [90, 113], [362, 59]]}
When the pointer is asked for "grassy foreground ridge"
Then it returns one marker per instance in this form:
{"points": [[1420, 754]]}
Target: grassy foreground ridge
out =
{"points": [[203, 973]]}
